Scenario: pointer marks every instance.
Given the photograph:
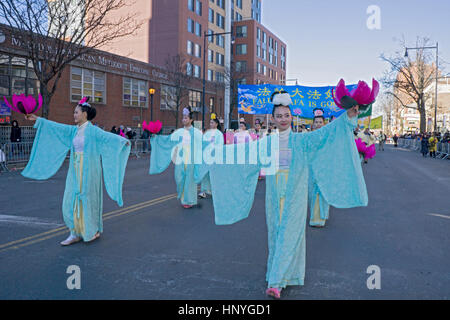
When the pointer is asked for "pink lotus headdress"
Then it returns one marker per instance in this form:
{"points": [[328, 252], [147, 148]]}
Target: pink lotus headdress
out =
{"points": [[24, 104], [362, 95]]}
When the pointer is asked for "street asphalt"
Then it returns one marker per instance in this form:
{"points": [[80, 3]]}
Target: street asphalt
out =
{"points": [[152, 248]]}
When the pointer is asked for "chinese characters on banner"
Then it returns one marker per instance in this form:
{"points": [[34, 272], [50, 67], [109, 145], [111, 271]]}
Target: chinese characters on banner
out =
{"points": [[255, 99]]}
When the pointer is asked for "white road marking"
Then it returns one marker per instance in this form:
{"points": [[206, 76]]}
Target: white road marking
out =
{"points": [[27, 221], [439, 215]]}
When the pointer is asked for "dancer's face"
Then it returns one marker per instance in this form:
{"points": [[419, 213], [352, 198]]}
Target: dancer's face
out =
{"points": [[212, 124], [186, 121], [318, 123], [242, 127], [79, 117], [282, 117]]}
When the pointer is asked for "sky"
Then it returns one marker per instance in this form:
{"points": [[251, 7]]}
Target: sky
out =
{"points": [[329, 39]]}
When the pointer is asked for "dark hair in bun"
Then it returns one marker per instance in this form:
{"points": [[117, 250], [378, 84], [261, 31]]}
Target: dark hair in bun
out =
{"points": [[86, 107], [91, 112]]}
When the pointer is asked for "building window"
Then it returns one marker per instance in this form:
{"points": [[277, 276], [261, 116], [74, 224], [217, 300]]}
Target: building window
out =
{"points": [[198, 51], [168, 97], [258, 33], [17, 76], [263, 37], [239, 3], [263, 54], [220, 41], [198, 7], [210, 55], [87, 83], [210, 75], [189, 69], [258, 51], [190, 25], [220, 21], [195, 100], [238, 17], [211, 15], [220, 59], [134, 92], [242, 81], [258, 67], [191, 5], [211, 105], [190, 47], [210, 38], [241, 32], [241, 66], [219, 76], [241, 49], [198, 29], [221, 3], [197, 71]]}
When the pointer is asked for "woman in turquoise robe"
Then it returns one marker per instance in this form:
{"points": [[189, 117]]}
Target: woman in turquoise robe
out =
{"points": [[83, 195], [211, 137], [183, 147], [330, 153], [319, 208]]}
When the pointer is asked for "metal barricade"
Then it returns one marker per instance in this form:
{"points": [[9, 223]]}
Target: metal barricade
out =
{"points": [[443, 150], [3, 166], [17, 152], [139, 147]]}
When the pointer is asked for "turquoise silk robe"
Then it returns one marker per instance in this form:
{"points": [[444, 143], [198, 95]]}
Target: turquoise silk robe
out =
{"points": [[331, 155], [211, 138], [102, 150], [323, 206], [186, 158]]}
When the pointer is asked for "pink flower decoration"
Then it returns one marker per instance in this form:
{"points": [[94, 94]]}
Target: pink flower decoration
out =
{"points": [[83, 100], [297, 111], [157, 125], [362, 94], [24, 104], [152, 127], [368, 152]]}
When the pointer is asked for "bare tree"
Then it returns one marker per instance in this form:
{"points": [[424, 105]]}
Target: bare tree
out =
{"points": [[176, 95], [408, 79], [55, 33]]}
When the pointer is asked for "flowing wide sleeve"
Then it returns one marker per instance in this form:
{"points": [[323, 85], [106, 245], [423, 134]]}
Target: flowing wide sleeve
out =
{"points": [[51, 143], [114, 151], [212, 140], [335, 164], [233, 185], [161, 154]]}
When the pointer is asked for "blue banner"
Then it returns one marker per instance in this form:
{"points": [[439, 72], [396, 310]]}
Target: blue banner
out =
{"points": [[254, 99], [4, 109]]}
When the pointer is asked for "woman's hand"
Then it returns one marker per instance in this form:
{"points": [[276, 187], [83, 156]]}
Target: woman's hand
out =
{"points": [[353, 112], [31, 117]]}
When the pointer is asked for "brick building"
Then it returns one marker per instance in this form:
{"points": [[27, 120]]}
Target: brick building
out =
{"points": [[118, 87]]}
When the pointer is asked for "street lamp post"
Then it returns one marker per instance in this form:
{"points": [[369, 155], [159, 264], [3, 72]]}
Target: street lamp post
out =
{"points": [[436, 89], [204, 71], [151, 91]]}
